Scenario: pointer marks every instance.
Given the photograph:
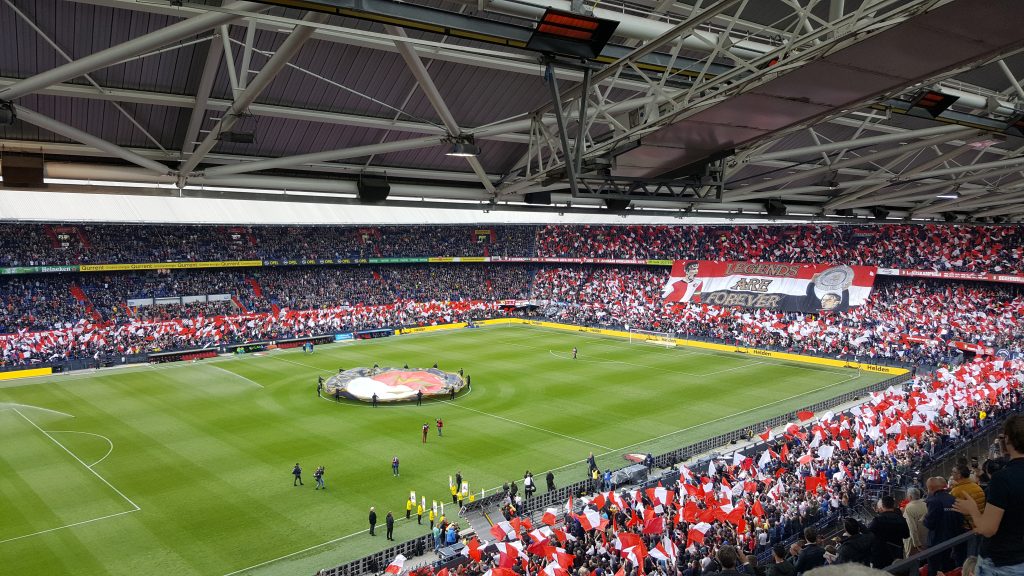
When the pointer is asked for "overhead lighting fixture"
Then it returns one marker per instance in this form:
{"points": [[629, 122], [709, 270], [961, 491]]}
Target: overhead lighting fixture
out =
{"points": [[462, 146], [7, 114], [987, 143], [933, 102], [570, 34], [953, 194]]}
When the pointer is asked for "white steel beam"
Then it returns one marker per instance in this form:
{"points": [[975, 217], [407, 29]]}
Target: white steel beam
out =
{"points": [[81, 150], [135, 46], [860, 142], [941, 159], [202, 99], [426, 83], [327, 156], [57, 127], [288, 49], [266, 110], [750, 192]]}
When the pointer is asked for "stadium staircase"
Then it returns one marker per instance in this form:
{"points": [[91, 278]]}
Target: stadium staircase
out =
{"points": [[52, 235], [239, 304], [78, 294], [83, 238], [481, 518], [257, 290]]}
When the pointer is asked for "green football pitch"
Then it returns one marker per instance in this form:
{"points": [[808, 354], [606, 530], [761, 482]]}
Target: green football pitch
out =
{"points": [[186, 468]]}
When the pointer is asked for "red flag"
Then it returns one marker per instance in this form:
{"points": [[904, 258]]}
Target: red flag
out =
{"points": [[757, 510], [549, 517], [396, 565], [766, 434], [655, 525], [804, 415]]}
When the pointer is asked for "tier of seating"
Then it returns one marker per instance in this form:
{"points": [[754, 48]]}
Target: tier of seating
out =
{"points": [[52, 317], [722, 515], [920, 247]]}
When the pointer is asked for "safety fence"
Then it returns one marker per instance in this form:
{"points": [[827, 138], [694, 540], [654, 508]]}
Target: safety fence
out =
{"points": [[558, 497]]}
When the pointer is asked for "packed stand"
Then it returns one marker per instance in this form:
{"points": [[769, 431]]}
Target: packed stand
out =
{"points": [[921, 247], [765, 505], [51, 244], [44, 322], [906, 322], [916, 247]]}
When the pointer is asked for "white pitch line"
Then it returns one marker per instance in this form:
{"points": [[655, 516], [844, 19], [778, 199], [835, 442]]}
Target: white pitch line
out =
{"points": [[235, 374], [733, 415], [747, 365], [111, 443], [298, 363], [12, 404], [633, 364], [96, 474], [69, 525], [304, 550], [525, 424]]}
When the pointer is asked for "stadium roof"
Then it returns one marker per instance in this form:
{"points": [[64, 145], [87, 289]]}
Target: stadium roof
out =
{"points": [[835, 109]]}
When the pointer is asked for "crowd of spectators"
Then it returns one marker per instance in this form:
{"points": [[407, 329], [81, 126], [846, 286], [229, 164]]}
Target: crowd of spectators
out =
{"points": [[765, 505], [917, 247], [907, 322]]}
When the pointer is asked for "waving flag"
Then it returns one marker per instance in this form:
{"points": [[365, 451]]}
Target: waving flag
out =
{"points": [[396, 565], [591, 520]]}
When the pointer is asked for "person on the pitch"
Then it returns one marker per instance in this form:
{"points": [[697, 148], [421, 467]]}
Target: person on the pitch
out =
{"points": [[394, 466], [318, 475], [297, 473], [320, 387], [373, 400], [419, 513], [373, 521], [440, 425], [419, 397], [426, 428], [389, 521], [408, 508], [574, 352]]}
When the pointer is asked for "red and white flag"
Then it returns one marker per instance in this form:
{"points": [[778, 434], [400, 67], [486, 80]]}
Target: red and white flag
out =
{"points": [[396, 565], [591, 520]]}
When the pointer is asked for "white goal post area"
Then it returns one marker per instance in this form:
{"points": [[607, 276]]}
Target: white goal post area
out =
{"points": [[666, 339]]}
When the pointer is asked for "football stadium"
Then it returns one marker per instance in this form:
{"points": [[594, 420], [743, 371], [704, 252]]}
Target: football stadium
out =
{"points": [[511, 287]]}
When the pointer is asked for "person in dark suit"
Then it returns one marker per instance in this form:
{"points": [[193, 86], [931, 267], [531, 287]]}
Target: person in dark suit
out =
{"points": [[942, 522], [550, 480], [780, 566], [889, 529], [389, 522], [812, 555], [857, 545], [373, 520]]}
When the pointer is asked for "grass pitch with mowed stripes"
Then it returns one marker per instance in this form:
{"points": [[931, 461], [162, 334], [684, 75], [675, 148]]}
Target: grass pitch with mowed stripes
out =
{"points": [[186, 468]]}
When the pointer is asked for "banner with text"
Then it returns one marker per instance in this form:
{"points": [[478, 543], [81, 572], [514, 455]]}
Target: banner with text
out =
{"points": [[777, 286]]}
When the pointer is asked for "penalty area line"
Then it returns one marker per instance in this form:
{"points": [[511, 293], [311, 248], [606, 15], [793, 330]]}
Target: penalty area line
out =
{"points": [[545, 430], [90, 521], [87, 467], [235, 374]]}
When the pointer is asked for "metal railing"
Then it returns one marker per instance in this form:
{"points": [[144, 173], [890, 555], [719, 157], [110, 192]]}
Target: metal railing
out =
{"points": [[555, 498], [912, 565]]}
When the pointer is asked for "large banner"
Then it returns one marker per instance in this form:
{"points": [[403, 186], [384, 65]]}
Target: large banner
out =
{"points": [[790, 287]]}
